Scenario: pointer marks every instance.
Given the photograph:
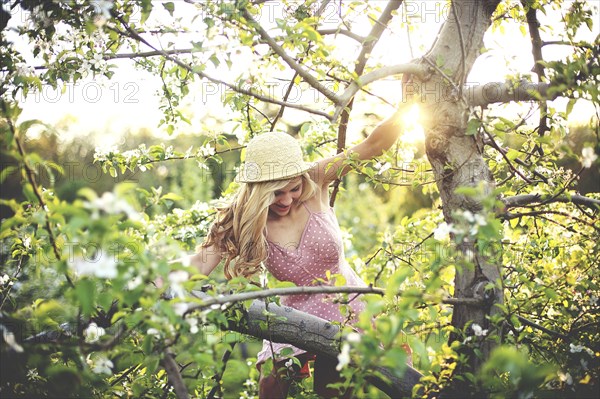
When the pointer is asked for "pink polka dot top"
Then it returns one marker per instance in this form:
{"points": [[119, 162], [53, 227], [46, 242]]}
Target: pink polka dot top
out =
{"points": [[320, 250]]}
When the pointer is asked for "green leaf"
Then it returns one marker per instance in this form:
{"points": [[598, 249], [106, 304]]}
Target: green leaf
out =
{"points": [[512, 154], [170, 7], [172, 197], [570, 105], [85, 290], [473, 127], [7, 171]]}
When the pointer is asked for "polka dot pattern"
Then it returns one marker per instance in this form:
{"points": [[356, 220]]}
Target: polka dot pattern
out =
{"points": [[306, 263]]}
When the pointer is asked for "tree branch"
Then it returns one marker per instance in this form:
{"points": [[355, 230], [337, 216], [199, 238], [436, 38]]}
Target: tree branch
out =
{"points": [[509, 216], [498, 92], [108, 56], [378, 74], [175, 378], [530, 323], [538, 67], [209, 301], [311, 80], [132, 33], [344, 32], [315, 335], [344, 107], [535, 199]]}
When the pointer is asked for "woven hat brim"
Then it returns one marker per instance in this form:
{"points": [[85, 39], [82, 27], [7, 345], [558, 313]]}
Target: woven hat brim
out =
{"points": [[254, 175]]}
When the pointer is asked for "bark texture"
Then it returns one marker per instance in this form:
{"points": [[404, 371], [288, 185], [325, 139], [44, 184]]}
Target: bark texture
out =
{"points": [[287, 325], [456, 157]]}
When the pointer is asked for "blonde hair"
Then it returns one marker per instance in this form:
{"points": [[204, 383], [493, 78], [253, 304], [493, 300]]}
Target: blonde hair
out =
{"points": [[239, 230]]}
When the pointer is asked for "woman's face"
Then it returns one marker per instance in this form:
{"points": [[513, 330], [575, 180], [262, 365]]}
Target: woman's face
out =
{"points": [[285, 197]]}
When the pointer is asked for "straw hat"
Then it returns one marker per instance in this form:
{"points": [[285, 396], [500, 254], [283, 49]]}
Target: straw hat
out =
{"points": [[272, 156]]}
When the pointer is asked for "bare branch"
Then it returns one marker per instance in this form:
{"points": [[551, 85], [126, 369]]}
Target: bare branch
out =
{"points": [[535, 199], [530, 323], [538, 67], [320, 289], [542, 213], [462, 75], [310, 79], [132, 33], [498, 92], [344, 32], [377, 74], [146, 54], [344, 108], [175, 378]]}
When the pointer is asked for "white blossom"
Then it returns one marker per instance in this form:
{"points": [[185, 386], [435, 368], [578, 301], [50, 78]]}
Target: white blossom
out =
{"points": [[134, 283], [104, 266], [193, 322], [178, 276], [382, 168], [4, 279], [33, 374], [289, 363], [206, 150], [111, 204], [153, 331], [100, 364], [353, 337], [480, 219], [93, 333], [180, 308], [442, 232], [579, 348], [588, 157], [24, 69], [479, 332], [565, 377], [343, 357], [469, 217]]}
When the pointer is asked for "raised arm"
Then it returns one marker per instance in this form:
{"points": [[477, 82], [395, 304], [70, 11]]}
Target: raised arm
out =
{"points": [[206, 259], [380, 139]]}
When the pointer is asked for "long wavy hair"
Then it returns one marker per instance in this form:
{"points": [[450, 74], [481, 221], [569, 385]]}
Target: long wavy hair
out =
{"points": [[239, 230]]}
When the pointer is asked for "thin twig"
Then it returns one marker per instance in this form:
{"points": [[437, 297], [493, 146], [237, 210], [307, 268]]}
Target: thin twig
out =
{"points": [[31, 178], [344, 32], [311, 80], [132, 33]]}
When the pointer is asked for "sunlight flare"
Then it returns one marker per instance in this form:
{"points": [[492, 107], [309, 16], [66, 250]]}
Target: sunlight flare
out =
{"points": [[414, 131]]}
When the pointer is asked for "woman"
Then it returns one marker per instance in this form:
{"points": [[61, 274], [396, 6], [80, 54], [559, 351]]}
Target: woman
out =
{"points": [[281, 216]]}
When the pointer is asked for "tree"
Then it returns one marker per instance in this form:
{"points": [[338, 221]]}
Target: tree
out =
{"points": [[496, 274]]}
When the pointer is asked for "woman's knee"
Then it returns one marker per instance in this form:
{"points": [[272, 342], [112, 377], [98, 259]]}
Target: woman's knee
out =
{"points": [[274, 385]]}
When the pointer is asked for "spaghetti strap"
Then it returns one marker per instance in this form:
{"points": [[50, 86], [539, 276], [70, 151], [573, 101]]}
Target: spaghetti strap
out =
{"points": [[307, 208]]}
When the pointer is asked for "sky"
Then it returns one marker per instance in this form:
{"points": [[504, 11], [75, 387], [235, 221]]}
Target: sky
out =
{"points": [[129, 99]]}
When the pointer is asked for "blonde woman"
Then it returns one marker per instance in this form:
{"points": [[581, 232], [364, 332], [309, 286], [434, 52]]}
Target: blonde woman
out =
{"points": [[280, 217]]}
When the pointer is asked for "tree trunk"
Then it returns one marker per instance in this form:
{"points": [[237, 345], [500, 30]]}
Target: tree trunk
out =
{"points": [[456, 157]]}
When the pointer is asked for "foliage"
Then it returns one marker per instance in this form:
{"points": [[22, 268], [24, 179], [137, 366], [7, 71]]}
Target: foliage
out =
{"points": [[81, 314]]}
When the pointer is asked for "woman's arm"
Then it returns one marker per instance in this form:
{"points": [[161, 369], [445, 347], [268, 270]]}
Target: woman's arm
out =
{"points": [[206, 259], [381, 139]]}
